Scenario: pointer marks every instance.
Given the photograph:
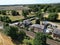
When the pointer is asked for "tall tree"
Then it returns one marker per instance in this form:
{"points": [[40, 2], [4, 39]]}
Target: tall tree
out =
{"points": [[40, 39], [39, 16], [14, 13]]}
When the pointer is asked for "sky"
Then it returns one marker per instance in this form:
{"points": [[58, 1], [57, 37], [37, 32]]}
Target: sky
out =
{"points": [[11, 2]]}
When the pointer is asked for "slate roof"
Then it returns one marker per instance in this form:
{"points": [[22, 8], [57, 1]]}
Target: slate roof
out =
{"points": [[27, 22], [37, 26], [56, 31]]}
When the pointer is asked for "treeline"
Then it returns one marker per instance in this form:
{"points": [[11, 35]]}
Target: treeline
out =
{"points": [[45, 8], [9, 12], [41, 9], [5, 19]]}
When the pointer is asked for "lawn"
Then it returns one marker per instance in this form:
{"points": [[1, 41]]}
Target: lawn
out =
{"points": [[14, 18]]}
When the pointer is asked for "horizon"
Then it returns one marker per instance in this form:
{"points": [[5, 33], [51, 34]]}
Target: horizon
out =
{"points": [[15, 2]]}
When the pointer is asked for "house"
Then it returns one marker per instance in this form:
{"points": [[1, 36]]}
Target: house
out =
{"points": [[56, 34], [37, 27], [40, 28]]}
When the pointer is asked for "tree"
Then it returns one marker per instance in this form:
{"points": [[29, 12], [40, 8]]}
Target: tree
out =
{"points": [[46, 7], [0, 12], [58, 10], [39, 16], [25, 13], [13, 32], [37, 21], [40, 39], [6, 28], [5, 19], [33, 8], [51, 9], [17, 13], [21, 36], [3, 12], [0, 18], [53, 16], [14, 13]]}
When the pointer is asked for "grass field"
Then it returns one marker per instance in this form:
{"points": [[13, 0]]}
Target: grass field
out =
{"points": [[46, 15], [14, 18]]}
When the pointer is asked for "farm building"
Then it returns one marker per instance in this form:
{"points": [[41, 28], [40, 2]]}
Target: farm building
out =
{"points": [[56, 34], [36, 28]]}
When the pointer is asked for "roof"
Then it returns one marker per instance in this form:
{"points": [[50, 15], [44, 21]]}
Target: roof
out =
{"points": [[56, 31], [37, 26], [13, 24], [27, 22]]}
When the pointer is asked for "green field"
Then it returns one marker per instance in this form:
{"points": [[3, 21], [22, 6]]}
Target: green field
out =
{"points": [[14, 18]]}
